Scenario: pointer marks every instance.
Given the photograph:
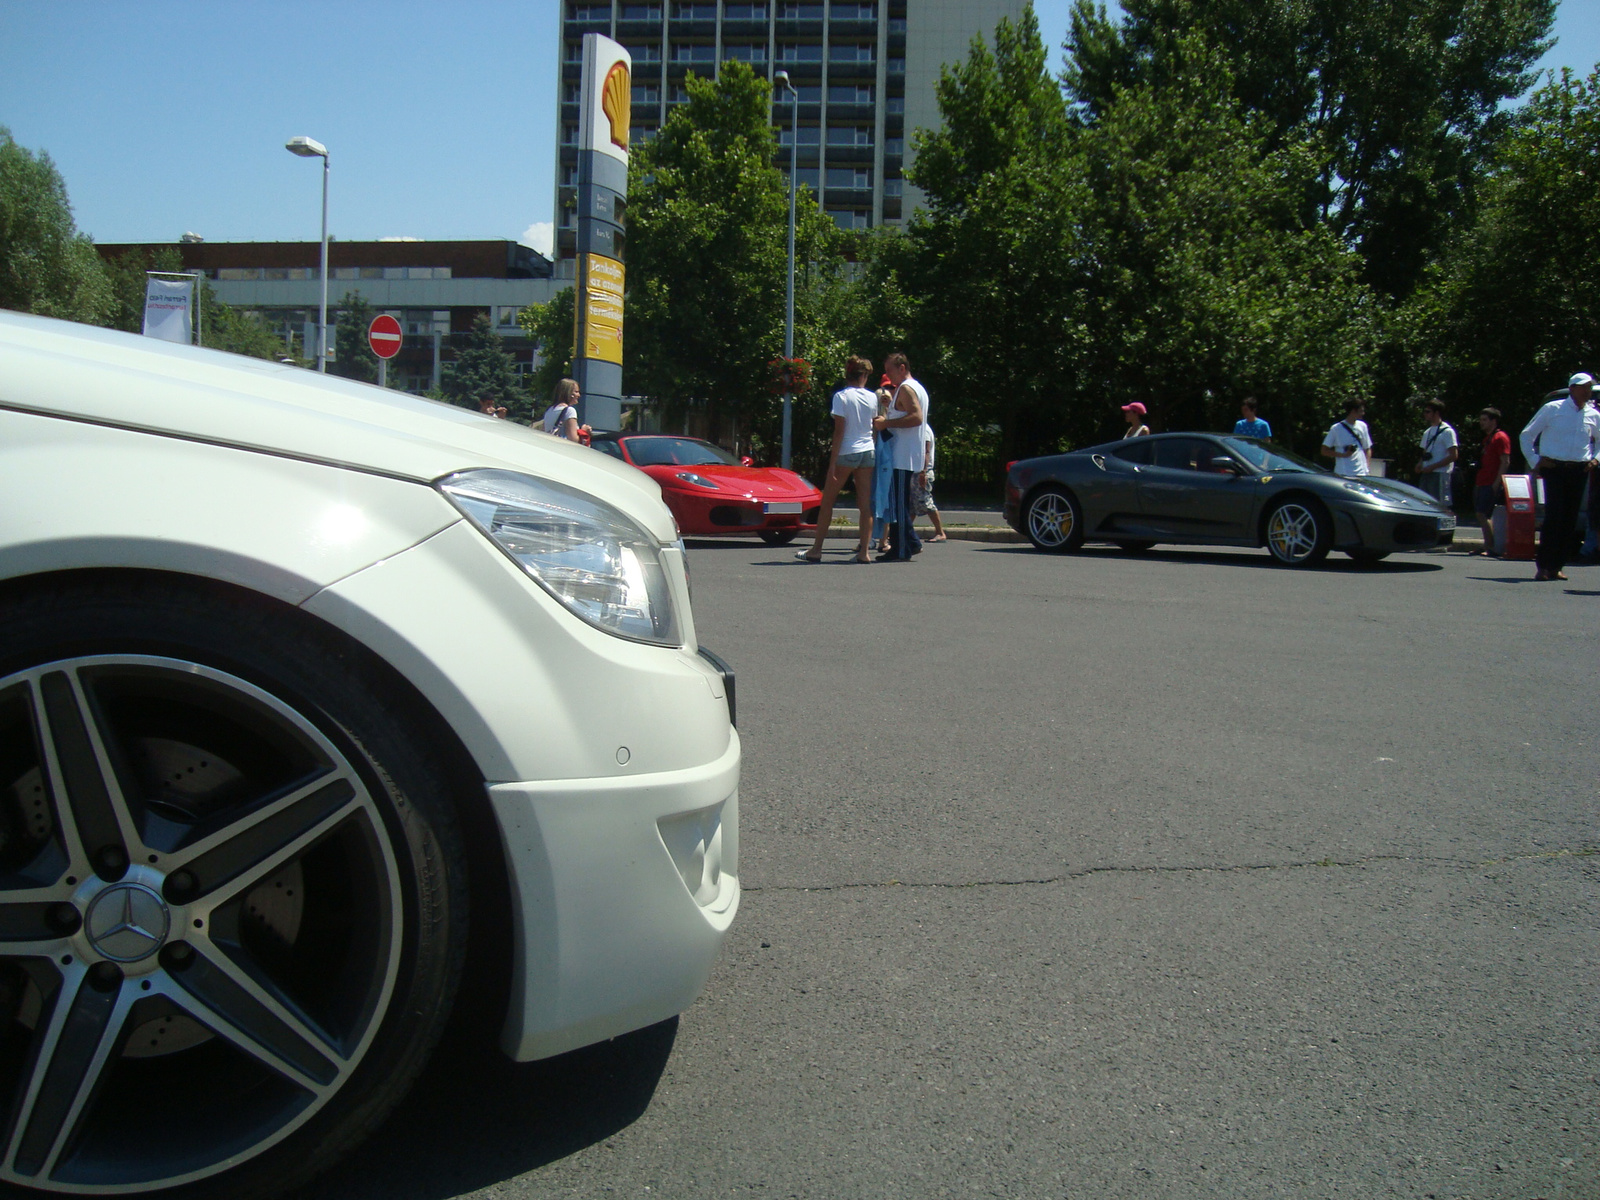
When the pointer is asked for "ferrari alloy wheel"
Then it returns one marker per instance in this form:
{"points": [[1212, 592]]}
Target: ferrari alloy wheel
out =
{"points": [[1299, 533], [227, 936], [1054, 521]]}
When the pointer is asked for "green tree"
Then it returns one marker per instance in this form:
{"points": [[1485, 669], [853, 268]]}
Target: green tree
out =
{"points": [[707, 223], [483, 370], [46, 265], [1509, 310], [550, 327], [353, 356], [1397, 101], [126, 273]]}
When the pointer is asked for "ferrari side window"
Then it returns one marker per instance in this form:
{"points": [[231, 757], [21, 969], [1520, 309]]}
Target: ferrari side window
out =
{"points": [[610, 448], [1138, 453]]}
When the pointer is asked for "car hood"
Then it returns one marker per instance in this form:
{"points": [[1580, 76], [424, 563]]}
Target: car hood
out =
{"points": [[747, 481], [1392, 491], [80, 372]]}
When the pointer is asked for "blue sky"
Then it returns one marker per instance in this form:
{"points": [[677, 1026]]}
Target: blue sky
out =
{"points": [[170, 115]]}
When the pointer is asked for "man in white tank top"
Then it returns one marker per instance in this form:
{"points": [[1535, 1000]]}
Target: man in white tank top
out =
{"points": [[904, 420]]}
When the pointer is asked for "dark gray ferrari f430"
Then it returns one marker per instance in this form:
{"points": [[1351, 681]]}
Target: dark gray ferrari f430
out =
{"points": [[1208, 489]]}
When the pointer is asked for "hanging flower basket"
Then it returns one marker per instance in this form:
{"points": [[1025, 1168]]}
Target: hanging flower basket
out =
{"points": [[790, 375]]}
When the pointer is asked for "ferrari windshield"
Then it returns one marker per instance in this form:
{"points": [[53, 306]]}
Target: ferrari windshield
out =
{"points": [[676, 452], [1266, 456]]}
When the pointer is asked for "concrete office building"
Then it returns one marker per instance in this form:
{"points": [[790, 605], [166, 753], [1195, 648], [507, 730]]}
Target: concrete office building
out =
{"points": [[865, 73], [436, 290]]}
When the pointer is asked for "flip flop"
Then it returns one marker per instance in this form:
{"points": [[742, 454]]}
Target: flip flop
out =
{"points": [[941, 538], [805, 556]]}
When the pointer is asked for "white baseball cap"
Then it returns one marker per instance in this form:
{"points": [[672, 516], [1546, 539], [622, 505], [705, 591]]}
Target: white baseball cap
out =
{"points": [[1581, 378]]}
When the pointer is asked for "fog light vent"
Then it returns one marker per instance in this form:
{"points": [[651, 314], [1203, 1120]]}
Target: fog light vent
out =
{"points": [[694, 839]]}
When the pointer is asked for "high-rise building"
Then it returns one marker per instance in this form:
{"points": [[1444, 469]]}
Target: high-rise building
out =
{"points": [[865, 73]]}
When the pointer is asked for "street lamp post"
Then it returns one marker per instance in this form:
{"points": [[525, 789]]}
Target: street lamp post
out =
{"points": [[311, 148], [788, 311]]}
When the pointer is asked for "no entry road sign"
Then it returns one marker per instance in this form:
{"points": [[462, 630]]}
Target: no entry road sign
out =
{"points": [[383, 335]]}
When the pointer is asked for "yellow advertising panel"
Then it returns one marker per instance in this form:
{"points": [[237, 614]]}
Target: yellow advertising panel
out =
{"points": [[602, 308]]}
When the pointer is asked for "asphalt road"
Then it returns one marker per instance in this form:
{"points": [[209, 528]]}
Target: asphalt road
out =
{"points": [[1173, 875]]}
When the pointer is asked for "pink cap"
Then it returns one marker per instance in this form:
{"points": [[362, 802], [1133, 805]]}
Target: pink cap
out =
{"points": [[1135, 407]]}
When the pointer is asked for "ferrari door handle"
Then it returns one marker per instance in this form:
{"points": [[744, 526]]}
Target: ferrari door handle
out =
{"points": [[1098, 460]]}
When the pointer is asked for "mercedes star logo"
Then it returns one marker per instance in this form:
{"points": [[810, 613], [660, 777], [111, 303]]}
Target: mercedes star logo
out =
{"points": [[127, 922]]}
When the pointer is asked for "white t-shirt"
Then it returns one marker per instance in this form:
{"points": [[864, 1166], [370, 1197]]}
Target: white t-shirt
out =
{"points": [[906, 447], [857, 406], [1436, 442], [1340, 437], [556, 417]]}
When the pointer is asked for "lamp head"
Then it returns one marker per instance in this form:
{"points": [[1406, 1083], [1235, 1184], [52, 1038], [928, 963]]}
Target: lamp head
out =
{"points": [[306, 147], [782, 77]]}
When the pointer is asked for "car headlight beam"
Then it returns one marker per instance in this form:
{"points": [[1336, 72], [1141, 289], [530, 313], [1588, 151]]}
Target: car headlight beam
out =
{"points": [[588, 555]]}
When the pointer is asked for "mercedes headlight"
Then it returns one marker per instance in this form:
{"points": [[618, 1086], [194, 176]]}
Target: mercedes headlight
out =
{"points": [[581, 550]]}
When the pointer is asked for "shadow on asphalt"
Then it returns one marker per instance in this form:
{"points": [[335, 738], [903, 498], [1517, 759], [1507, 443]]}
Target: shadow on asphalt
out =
{"points": [[1188, 556], [475, 1119]]}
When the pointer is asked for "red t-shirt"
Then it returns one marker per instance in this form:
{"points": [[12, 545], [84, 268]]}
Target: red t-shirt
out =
{"points": [[1496, 449]]}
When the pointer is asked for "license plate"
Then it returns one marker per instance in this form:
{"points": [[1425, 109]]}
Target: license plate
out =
{"points": [[783, 506], [1446, 523]]}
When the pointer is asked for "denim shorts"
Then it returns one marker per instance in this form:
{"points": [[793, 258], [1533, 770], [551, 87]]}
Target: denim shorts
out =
{"points": [[1484, 498], [854, 462]]}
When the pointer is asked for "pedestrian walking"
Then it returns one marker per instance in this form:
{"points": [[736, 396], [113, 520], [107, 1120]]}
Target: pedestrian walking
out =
{"points": [[561, 418], [882, 472], [1440, 449], [903, 422], [1349, 442], [1133, 414], [1249, 425], [852, 456], [1490, 482], [1560, 446], [922, 488]]}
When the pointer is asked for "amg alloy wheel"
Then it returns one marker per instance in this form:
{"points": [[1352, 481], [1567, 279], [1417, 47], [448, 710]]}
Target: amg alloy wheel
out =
{"points": [[218, 916], [1053, 520], [1299, 533]]}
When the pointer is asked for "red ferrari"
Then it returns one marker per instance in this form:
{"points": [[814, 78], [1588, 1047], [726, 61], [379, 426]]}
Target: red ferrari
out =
{"points": [[714, 494]]}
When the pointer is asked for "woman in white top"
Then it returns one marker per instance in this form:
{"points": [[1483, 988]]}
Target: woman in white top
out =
{"points": [[852, 455], [561, 418], [1133, 414]]}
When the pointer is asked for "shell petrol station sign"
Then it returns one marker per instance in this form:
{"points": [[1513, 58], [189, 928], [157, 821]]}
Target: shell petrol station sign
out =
{"points": [[603, 136]]}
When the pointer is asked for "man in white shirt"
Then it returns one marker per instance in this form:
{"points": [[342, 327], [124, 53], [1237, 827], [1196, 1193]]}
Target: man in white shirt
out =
{"points": [[1349, 443], [904, 421], [1440, 449], [1560, 444]]}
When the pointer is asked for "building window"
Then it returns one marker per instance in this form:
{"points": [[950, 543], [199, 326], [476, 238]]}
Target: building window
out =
{"points": [[694, 12], [744, 12], [800, 52], [849, 135], [372, 272], [572, 93], [897, 66], [574, 52], [506, 316], [894, 146], [569, 175], [744, 53], [892, 187], [347, 272], [897, 24], [800, 12], [854, 12], [569, 135], [693, 52], [849, 177], [855, 93], [808, 136], [646, 93], [848, 218], [590, 14], [233, 274], [851, 52], [641, 12], [678, 94], [645, 133], [644, 54], [895, 106]]}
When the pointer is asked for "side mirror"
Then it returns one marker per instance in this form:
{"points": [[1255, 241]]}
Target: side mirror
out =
{"points": [[1225, 466], [747, 461]]}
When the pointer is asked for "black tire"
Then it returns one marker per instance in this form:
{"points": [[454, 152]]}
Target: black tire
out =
{"points": [[1138, 546], [779, 537], [1053, 520], [1299, 532], [1368, 556], [269, 796]]}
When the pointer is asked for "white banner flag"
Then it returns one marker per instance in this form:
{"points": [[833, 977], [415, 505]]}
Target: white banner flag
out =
{"points": [[166, 309]]}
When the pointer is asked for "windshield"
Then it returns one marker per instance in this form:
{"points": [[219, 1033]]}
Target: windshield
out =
{"points": [[1265, 456], [676, 452]]}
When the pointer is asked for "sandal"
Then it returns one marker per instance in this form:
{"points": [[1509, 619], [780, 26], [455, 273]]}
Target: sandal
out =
{"points": [[943, 537], [805, 556], [861, 556]]}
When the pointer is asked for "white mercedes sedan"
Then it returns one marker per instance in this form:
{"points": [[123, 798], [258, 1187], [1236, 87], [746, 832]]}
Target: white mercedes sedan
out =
{"points": [[307, 687]]}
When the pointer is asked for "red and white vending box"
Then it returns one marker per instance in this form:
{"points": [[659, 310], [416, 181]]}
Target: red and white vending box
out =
{"points": [[1521, 514]]}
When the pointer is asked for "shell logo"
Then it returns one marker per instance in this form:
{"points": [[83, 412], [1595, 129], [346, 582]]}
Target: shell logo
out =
{"points": [[616, 101]]}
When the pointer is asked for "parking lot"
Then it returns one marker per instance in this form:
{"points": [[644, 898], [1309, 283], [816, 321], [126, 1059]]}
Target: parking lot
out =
{"points": [[1108, 875]]}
